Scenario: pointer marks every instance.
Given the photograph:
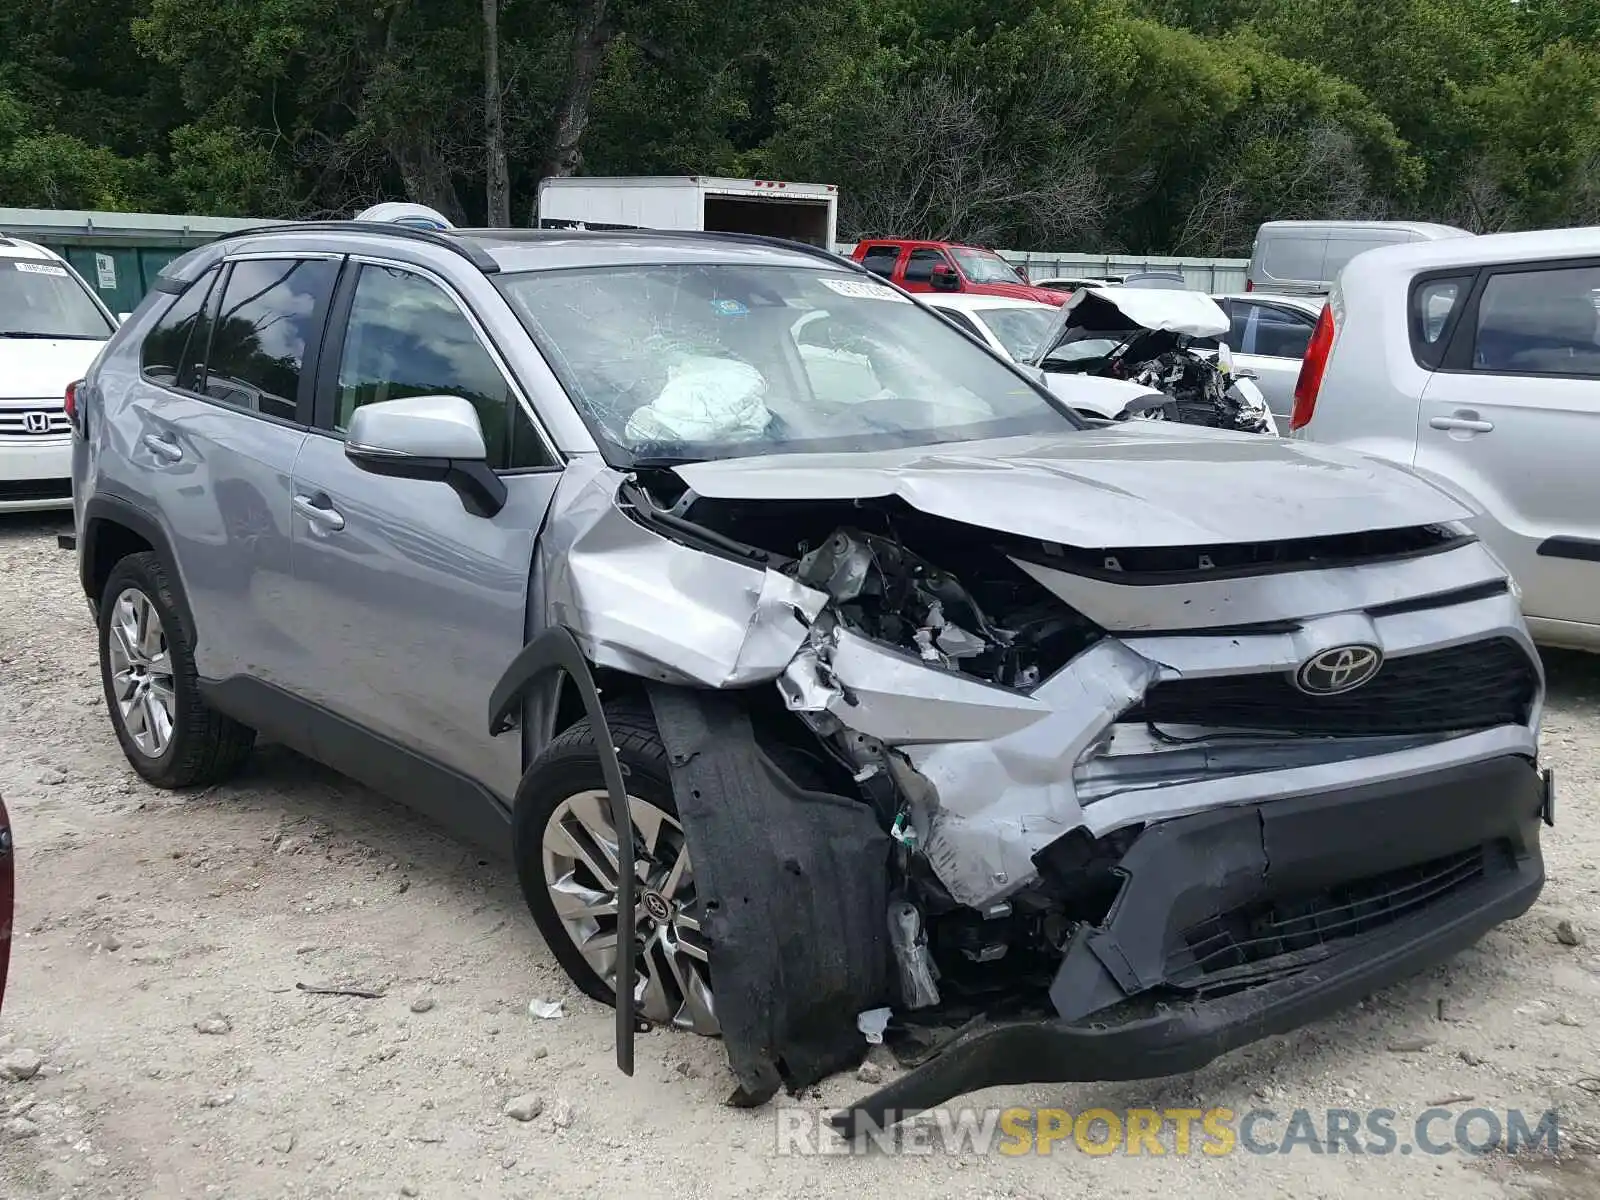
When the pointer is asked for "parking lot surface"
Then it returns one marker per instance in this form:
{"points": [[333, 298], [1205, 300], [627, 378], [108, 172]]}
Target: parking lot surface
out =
{"points": [[165, 943]]}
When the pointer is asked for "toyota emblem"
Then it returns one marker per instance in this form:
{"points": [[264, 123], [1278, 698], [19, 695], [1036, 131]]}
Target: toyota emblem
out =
{"points": [[36, 422], [1340, 669]]}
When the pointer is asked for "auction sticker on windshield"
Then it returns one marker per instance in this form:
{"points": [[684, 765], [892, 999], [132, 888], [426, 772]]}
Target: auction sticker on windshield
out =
{"points": [[29, 268], [863, 289]]}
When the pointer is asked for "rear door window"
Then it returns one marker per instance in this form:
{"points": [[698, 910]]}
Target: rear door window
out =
{"points": [[271, 314], [1540, 322], [1296, 258], [880, 260]]}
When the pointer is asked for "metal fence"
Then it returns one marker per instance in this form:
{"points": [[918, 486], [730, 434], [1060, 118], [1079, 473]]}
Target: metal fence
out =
{"points": [[1215, 275]]}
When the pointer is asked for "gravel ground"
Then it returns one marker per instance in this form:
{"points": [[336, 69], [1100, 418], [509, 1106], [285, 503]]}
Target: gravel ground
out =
{"points": [[160, 939]]}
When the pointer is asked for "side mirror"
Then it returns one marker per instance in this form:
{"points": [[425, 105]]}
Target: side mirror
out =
{"points": [[436, 438], [944, 279]]}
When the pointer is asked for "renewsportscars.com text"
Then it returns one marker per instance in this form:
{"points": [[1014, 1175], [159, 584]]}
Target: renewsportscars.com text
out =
{"points": [[1210, 1132]]}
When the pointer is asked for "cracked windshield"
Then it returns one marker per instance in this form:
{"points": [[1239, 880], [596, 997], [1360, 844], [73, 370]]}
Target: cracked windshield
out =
{"points": [[718, 361]]}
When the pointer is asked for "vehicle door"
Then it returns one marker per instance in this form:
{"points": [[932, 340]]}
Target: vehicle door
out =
{"points": [[881, 258], [1512, 416], [221, 411], [1270, 340], [411, 605], [920, 265]]}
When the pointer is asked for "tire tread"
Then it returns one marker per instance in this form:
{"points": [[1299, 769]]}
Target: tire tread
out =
{"points": [[209, 748]]}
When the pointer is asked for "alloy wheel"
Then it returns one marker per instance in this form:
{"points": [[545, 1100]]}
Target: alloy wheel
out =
{"points": [[581, 865], [141, 672]]}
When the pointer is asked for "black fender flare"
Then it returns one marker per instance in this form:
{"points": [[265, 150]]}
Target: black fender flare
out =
{"points": [[102, 509], [555, 649]]}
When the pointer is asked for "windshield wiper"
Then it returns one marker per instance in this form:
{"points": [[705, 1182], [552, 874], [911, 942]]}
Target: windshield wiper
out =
{"points": [[664, 461], [48, 337]]}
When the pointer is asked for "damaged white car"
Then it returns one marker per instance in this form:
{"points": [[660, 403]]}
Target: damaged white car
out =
{"points": [[1088, 753], [1149, 343]]}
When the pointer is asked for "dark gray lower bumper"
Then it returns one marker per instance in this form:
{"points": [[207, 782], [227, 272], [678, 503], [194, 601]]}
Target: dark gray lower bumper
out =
{"points": [[1184, 870]]}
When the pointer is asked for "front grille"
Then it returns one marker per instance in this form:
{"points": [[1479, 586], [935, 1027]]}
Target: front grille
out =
{"points": [[1264, 930], [1475, 686], [42, 418]]}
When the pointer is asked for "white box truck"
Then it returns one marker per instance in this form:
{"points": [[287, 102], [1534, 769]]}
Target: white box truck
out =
{"points": [[801, 212]]}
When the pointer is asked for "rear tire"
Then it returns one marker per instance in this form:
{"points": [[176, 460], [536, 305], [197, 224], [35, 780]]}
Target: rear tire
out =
{"points": [[171, 736]]}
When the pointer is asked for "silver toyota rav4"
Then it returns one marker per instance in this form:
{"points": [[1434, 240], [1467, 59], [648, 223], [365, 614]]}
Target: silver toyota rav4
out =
{"points": [[1088, 751]]}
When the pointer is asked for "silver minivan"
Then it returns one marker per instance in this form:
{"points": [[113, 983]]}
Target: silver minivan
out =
{"points": [[1305, 257]]}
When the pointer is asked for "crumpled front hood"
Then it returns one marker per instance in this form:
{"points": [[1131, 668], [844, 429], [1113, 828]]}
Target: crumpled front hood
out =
{"points": [[33, 369], [1133, 484]]}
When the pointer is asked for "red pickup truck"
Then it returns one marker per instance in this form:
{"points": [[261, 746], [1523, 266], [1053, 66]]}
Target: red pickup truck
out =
{"points": [[947, 267]]}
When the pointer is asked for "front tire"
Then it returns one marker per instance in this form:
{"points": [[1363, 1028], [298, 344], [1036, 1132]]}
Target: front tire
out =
{"points": [[567, 862], [170, 735]]}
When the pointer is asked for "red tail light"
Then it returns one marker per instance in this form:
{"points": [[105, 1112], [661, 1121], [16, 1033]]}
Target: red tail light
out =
{"points": [[70, 403], [1311, 368]]}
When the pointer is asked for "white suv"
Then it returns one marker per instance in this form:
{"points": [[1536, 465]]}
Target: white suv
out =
{"points": [[1476, 362], [51, 328]]}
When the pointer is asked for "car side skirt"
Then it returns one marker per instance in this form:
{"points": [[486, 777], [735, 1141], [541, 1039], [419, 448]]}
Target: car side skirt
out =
{"points": [[464, 807]]}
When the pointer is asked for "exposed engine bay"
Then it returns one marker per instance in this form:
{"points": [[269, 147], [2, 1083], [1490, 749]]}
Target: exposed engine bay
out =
{"points": [[1102, 333]]}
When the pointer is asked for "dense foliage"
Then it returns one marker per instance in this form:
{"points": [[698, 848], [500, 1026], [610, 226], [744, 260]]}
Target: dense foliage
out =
{"points": [[1158, 125]]}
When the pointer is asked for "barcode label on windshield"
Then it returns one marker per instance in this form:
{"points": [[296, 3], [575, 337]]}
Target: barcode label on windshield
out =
{"points": [[863, 289], [32, 268]]}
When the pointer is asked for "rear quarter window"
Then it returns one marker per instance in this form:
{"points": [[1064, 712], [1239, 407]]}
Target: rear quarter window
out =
{"points": [[1436, 302]]}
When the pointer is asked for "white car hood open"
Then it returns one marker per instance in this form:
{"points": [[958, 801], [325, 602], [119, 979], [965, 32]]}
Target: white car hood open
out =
{"points": [[33, 369], [1156, 308], [1139, 483]]}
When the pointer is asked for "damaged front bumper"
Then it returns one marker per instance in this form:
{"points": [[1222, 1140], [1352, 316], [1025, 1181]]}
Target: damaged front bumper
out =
{"points": [[1236, 924]]}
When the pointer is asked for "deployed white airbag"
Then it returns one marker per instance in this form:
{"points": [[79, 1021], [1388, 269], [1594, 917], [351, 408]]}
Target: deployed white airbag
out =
{"points": [[705, 399]]}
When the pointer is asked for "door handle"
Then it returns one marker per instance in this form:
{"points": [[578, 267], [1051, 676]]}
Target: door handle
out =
{"points": [[1469, 424], [163, 447], [323, 514]]}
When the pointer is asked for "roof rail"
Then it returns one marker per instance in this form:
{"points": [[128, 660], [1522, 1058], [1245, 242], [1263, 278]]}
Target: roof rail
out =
{"points": [[753, 239], [468, 250]]}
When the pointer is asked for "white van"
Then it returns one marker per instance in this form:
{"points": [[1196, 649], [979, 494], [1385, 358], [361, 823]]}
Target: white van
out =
{"points": [[51, 328], [1305, 257]]}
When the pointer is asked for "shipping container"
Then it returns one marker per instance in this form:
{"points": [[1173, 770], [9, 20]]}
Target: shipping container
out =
{"points": [[118, 254]]}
